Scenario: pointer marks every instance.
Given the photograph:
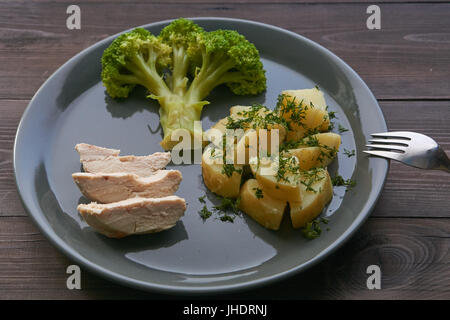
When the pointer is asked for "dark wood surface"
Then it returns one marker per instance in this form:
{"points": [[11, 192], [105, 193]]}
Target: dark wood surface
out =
{"points": [[406, 64]]}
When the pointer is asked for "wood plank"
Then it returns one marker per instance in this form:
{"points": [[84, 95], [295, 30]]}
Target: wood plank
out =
{"points": [[408, 59], [408, 192], [413, 255]]}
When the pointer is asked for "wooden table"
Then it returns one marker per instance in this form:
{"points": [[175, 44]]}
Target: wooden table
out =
{"points": [[406, 64]]}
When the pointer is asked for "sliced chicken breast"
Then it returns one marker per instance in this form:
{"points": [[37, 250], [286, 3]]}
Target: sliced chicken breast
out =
{"points": [[112, 187], [89, 152], [133, 216], [102, 160]]}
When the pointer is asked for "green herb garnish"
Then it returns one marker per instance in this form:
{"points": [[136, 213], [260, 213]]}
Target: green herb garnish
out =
{"points": [[312, 230], [228, 169], [332, 115], [205, 213], [339, 181], [227, 218], [258, 193], [349, 153], [342, 129], [229, 204]]}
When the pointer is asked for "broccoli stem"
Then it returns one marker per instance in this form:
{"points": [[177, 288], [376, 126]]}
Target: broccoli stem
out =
{"points": [[180, 106], [177, 113], [147, 74], [180, 69], [209, 77]]}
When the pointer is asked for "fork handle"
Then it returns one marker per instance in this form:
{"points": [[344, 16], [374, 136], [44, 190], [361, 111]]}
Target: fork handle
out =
{"points": [[443, 161]]}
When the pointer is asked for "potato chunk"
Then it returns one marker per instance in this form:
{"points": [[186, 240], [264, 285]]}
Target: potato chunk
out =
{"points": [[280, 180], [305, 111], [317, 150], [258, 204], [220, 178], [316, 191]]}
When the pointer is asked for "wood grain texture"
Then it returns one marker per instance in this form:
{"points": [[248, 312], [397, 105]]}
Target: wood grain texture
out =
{"points": [[34, 41], [409, 59], [413, 255]]}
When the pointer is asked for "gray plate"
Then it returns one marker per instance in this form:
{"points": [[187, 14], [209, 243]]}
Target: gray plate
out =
{"points": [[194, 256]]}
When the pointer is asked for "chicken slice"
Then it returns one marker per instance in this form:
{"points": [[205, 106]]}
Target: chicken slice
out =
{"points": [[103, 160], [112, 187], [89, 152], [133, 216]]}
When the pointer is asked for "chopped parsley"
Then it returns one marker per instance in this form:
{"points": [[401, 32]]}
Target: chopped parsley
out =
{"points": [[227, 210], [331, 126], [332, 115], [229, 204], [227, 218], [258, 193], [342, 129], [349, 153], [310, 177], [339, 181], [287, 166], [255, 117], [205, 213], [202, 199], [228, 169], [312, 230]]}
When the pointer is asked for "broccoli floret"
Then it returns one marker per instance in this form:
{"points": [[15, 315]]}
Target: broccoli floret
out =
{"points": [[136, 57], [180, 67]]}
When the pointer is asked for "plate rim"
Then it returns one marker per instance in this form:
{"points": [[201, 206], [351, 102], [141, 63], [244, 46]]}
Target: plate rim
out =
{"points": [[45, 228]]}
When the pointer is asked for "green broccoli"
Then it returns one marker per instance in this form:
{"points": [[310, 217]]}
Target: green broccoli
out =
{"points": [[179, 68]]}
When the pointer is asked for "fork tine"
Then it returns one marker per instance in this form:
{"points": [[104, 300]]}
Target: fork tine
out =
{"points": [[386, 147], [397, 134], [389, 141], [385, 154]]}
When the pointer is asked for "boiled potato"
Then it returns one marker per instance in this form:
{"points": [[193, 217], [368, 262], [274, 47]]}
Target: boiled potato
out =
{"points": [[221, 125], [266, 210], [308, 115], [317, 150], [266, 172], [252, 144], [316, 191], [247, 147], [309, 96], [240, 112], [217, 131], [214, 176]]}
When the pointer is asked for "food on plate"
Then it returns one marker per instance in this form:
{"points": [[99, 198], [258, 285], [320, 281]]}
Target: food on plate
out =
{"points": [[179, 68], [292, 178], [246, 148], [279, 177], [256, 117], [306, 112], [133, 216], [317, 150], [89, 152], [316, 191], [130, 194], [259, 205], [112, 187], [103, 160], [219, 177]]}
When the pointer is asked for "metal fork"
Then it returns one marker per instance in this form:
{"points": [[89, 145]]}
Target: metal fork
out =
{"points": [[411, 148]]}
